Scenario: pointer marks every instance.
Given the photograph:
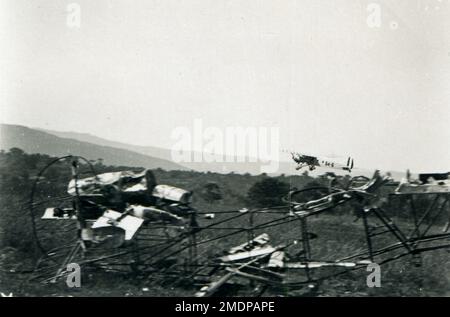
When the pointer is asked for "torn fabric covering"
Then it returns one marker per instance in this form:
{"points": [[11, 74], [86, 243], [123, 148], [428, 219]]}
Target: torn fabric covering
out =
{"points": [[133, 187], [111, 218], [136, 193], [427, 183], [257, 251], [409, 188], [256, 247], [125, 181], [172, 193], [259, 241], [155, 214]]}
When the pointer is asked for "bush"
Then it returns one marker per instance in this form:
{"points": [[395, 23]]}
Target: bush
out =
{"points": [[268, 192]]}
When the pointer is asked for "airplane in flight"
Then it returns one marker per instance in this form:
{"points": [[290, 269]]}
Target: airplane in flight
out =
{"points": [[312, 162]]}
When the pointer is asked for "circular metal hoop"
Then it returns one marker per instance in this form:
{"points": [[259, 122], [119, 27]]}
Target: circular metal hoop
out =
{"points": [[48, 235]]}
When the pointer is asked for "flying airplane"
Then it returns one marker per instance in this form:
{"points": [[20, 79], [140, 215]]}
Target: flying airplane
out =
{"points": [[314, 161]]}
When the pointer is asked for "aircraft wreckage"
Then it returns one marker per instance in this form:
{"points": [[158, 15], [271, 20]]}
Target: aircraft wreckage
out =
{"points": [[125, 222]]}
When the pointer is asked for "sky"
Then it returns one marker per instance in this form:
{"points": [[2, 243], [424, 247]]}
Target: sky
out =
{"points": [[369, 79]]}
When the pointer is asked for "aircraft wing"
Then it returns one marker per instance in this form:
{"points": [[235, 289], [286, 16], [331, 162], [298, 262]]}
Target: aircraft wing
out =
{"points": [[128, 223]]}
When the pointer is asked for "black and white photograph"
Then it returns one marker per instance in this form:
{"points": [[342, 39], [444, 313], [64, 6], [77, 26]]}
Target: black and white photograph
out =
{"points": [[256, 149]]}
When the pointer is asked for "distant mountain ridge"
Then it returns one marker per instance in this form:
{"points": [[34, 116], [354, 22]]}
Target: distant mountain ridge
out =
{"points": [[218, 167], [86, 137], [118, 153], [286, 167], [38, 141]]}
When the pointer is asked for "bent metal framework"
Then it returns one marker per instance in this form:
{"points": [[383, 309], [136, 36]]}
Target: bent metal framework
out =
{"points": [[125, 221]]}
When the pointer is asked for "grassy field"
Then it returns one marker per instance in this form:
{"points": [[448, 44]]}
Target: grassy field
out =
{"points": [[338, 236]]}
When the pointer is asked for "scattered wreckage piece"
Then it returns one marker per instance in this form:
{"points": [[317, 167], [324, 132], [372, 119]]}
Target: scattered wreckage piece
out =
{"points": [[429, 183], [248, 254], [276, 260], [258, 241], [213, 287], [107, 212], [314, 265], [124, 200], [238, 269], [433, 185], [128, 223]]}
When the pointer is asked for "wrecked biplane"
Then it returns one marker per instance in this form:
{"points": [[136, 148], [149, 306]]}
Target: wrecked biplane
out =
{"points": [[124, 201]]}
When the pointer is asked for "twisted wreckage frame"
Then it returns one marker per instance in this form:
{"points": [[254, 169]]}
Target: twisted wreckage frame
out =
{"points": [[126, 222]]}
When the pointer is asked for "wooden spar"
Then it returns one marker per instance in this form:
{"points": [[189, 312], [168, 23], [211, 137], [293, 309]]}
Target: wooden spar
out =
{"points": [[214, 286], [249, 276]]}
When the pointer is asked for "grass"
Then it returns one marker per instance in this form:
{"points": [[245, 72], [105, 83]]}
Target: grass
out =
{"points": [[338, 235]]}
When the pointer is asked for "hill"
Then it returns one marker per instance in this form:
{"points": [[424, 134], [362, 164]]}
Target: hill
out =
{"points": [[286, 166], [141, 153], [153, 151], [241, 167], [37, 141]]}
